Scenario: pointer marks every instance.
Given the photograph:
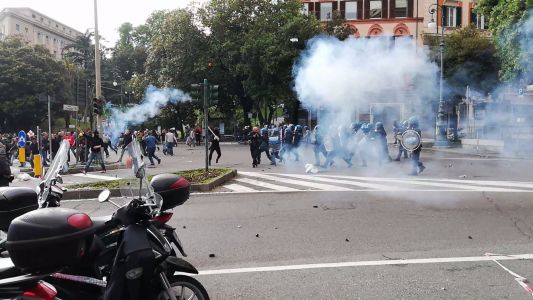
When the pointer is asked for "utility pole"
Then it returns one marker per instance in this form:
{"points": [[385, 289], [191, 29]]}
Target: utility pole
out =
{"points": [[49, 128], [97, 60], [206, 108]]}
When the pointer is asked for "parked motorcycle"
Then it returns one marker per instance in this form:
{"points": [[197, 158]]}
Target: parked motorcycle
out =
{"points": [[147, 213]]}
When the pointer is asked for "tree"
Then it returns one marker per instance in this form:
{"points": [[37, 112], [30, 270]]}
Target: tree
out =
{"points": [[27, 72], [249, 44], [470, 58], [338, 27], [505, 21]]}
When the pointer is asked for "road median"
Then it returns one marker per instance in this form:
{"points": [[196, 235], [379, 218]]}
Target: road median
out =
{"points": [[199, 179]]}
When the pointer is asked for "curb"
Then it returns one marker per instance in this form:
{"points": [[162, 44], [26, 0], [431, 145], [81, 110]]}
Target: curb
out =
{"points": [[220, 180], [77, 170], [93, 193]]}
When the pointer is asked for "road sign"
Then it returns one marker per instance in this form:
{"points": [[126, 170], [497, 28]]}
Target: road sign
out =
{"points": [[70, 107], [22, 139], [44, 98]]}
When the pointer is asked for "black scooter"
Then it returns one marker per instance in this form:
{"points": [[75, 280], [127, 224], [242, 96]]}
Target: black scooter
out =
{"points": [[86, 278]]}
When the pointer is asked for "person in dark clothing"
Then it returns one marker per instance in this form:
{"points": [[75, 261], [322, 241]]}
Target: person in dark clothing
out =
{"points": [[417, 166], [401, 150], [5, 170], [151, 144], [95, 143], [264, 146], [56, 142], [255, 143], [215, 145], [128, 138], [45, 146], [34, 150], [381, 137]]}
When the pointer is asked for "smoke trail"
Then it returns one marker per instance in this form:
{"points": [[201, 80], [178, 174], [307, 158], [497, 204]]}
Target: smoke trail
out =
{"points": [[344, 76], [154, 100]]}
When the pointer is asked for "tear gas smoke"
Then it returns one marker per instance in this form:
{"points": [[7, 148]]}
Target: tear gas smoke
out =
{"points": [[154, 100], [343, 77]]}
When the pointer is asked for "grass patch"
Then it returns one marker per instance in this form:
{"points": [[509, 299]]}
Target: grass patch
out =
{"points": [[196, 176]]}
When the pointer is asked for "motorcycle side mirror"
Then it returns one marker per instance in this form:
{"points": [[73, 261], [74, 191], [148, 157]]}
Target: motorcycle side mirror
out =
{"points": [[59, 179], [104, 196]]}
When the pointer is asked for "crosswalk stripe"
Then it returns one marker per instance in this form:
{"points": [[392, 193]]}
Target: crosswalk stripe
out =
{"points": [[347, 182], [319, 186], [488, 182], [239, 188], [267, 185], [95, 176], [424, 183]]}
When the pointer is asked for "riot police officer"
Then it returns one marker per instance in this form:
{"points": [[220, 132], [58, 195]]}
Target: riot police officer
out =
{"points": [[417, 166], [318, 146]]}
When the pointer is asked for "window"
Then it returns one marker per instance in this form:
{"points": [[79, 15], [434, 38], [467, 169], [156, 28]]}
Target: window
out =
{"points": [[42, 19], [63, 29], [452, 16], [351, 10], [17, 26], [26, 29], [57, 26], [480, 24], [375, 9], [400, 11], [305, 9], [326, 8], [33, 16]]}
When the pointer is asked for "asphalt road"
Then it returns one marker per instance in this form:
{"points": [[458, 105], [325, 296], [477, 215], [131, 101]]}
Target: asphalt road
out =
{"points": [[345, 242], [298, 229]]}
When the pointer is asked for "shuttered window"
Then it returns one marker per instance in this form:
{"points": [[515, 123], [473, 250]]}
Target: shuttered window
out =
{"points": [[375, 9], [400, 11]]}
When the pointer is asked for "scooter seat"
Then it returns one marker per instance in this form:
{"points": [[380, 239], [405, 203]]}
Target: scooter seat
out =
{"points": [[100, 223], [7, 268]]}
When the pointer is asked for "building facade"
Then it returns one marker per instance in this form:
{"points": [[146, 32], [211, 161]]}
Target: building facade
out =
{"points": [[36, 29], [395, 18]]}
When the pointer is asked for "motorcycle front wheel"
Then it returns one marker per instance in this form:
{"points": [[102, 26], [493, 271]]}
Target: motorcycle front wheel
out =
{"points": [[185, 288]]}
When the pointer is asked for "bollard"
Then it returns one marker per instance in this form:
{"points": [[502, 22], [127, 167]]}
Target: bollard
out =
{"points": [[37, 167], [22, 155]]}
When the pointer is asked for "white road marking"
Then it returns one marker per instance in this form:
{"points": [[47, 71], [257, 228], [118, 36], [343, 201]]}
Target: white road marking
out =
{"points": [[527, 185], [424, 183], [367, 263], [267, 185], [95, 176], [348, 182], [239, 188], [319, 186]]}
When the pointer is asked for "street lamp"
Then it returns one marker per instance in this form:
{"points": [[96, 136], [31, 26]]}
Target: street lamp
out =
{"points": [[441, 139], [121, 94]]}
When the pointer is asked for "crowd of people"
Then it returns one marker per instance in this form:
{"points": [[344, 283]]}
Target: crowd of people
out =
{"points": [[363, 142], [360, 143]]}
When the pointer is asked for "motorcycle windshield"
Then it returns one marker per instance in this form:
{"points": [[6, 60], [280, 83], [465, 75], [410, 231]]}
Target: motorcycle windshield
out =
{"points": [[58, 163], [139, 187]]}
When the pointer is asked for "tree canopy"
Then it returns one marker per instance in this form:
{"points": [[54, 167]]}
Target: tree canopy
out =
{"points": [[28, 71]]}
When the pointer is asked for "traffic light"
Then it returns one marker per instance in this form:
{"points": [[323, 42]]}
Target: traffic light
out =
{"points": [[213, 94], [98, 106], [96, 109], [196, 91]]}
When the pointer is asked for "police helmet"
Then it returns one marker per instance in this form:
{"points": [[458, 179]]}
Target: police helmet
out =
{"points": [[264, 131], [317, 127], [379, 125], [298, 128], [413, 122]]}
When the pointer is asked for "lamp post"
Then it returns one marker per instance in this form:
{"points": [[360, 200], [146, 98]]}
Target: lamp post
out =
{"points": [[121, 94], [441, 139]]}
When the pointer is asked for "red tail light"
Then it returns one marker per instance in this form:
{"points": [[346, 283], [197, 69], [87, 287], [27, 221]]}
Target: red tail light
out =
{"points": [[163, 218], [42, 291]]}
